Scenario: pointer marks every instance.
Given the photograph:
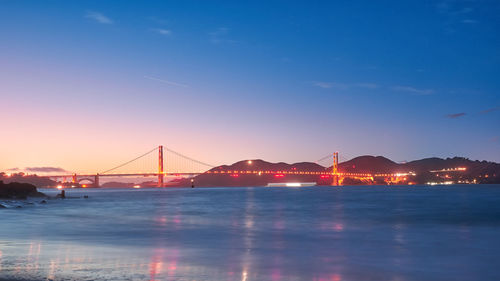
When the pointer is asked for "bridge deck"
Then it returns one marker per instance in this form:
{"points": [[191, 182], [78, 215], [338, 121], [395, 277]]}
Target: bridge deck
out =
{"points": [[231, 172]]}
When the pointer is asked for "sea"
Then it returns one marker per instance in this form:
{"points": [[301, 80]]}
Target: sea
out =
{"points": [[255, 233]]}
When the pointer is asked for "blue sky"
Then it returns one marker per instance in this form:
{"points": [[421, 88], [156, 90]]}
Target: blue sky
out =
{"points": [[229, 80]]}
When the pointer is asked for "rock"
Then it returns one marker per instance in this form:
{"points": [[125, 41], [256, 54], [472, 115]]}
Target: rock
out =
{"points": [[43, 202], [2, 207], [15, 190]]}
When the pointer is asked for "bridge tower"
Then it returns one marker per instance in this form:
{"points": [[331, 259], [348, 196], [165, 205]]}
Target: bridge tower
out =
{"points": [[73, 180], [160, 166], [96, 180], [335, 172]]}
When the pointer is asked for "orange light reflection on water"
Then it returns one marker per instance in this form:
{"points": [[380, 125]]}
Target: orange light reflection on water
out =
{"points": [[163, 263]]}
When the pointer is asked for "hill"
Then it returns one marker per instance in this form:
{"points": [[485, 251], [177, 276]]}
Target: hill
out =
{"points": [[424, 171]]}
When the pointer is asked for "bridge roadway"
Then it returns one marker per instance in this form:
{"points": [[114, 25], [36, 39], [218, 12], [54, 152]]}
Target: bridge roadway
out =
{"points": [[122, 175], [94, 178], [292, 172]]}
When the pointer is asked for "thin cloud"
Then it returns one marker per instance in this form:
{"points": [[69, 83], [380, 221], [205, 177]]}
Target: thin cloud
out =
{"points": [[98, 17], [367, 85], [469, 21], [220, 35], [453, 8], [408, 89], [490, 110], [158, 20], [45, 170], [455, 12], [162, 31], [329, 85], [324, 85], [166, 82], [343, 86], [456, 115]]}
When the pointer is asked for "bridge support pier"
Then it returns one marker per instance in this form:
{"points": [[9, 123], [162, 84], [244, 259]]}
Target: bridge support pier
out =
{"points": [[74, 178], [160, 166], [96, 180]]}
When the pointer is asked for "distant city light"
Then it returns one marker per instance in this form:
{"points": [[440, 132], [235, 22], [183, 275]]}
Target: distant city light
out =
{"points": [[449, 170], [59, 187], [440, 183], [136, 186], [249, 162]]}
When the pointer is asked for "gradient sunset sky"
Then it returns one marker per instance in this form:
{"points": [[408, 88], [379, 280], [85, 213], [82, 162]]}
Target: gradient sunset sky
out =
{"points": [[85, 85]]}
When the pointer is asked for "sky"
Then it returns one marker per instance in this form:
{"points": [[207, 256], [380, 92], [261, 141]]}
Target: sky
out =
{"points": [[87, 85]]}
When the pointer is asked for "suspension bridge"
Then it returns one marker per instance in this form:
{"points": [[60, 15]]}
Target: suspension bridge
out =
{"points": [[153, 164]]}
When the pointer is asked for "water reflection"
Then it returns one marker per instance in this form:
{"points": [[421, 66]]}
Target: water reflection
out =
{"points": [[156, 265], [163, 264], [161, 220], [249, 222], [52, 269], [244, 275], [335, 226], [399, 237], [247, 234]]}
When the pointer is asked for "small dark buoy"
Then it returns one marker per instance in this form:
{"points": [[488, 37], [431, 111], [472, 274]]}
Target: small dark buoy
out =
{"points": [[86, 196], [63, 194]]}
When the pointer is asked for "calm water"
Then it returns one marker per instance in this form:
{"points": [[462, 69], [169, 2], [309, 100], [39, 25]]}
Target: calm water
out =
{"points": [[314, 233]]}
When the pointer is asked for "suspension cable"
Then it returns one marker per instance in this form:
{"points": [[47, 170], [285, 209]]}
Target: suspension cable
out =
{"points": [[128, 162], [189, 158], [324, 158]]}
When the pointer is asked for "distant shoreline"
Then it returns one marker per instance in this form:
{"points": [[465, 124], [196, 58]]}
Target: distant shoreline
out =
{"points": [[362, 170]]}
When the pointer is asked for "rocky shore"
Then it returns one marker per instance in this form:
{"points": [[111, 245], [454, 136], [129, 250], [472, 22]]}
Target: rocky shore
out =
{"points": [[18, 191]]}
